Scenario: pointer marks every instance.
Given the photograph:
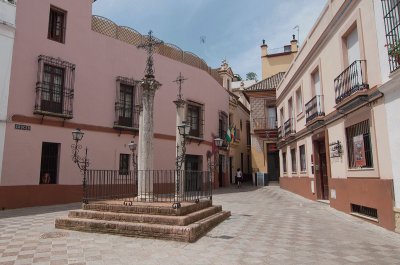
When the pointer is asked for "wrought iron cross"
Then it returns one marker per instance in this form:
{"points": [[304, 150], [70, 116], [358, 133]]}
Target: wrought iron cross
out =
{"points": [[179, 80], [149, 44]]}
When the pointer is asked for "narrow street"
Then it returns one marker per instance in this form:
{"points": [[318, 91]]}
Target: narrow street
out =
{"points": [[268, 226]]}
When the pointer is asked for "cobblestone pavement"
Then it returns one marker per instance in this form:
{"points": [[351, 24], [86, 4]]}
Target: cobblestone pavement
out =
{"points": [[267, 226]]}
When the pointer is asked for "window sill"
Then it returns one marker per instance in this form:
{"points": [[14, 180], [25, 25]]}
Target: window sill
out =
{"points": [[365, 217], [300, 115], [194, 138], [52, 114], [125, 128], [360, 169]]}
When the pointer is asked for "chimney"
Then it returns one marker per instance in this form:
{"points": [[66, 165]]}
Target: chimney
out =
{"points": [[264, 49], [294, 47]]}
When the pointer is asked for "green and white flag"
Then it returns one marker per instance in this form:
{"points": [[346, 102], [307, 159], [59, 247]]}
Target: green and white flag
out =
{"points": [[228, 135]]}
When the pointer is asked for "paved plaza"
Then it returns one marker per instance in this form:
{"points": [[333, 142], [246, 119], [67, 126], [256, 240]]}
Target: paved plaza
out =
{"points": [[268, 226]]}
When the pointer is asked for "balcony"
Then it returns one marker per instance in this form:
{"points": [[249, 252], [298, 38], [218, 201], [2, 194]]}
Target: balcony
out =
{"points": [[280, 133], [289, 129], [264, 124], [390, 10], [126, 118], [265, 128], [315, 109], [351, 84]]}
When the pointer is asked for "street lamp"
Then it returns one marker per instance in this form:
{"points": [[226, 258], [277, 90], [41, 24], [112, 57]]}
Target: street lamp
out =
{"points": [[132, 146], [184, 130], [81, 162]]}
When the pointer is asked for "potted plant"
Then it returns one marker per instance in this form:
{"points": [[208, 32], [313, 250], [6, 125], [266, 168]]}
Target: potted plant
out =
{"points": [[394, 51]]}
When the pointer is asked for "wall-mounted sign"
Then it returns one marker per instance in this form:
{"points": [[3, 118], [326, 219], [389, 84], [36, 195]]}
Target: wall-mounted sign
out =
{"points": [[335, 149], [22, 127], [359, 151]]}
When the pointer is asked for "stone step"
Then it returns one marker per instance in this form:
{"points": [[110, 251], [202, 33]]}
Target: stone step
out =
{"points": [[148, 208], [188, 233], [146, 218]]}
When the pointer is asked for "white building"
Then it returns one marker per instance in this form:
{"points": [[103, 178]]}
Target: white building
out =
{"points": [[7, 34]]}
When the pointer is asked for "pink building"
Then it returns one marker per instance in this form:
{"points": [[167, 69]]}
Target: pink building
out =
{"points": [[74, 70]]}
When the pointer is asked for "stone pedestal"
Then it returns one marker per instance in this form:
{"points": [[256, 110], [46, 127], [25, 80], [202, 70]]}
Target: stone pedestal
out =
{"points": [[397, 219]]}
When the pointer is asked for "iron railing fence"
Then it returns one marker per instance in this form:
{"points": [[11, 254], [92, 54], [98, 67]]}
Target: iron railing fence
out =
{"points": [[264, 123], [147, 186], [289, 127], [351, 80], [391, 17], [315, 108]]}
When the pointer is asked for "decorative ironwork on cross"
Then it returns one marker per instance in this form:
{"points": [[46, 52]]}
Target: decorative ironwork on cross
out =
{"points": [[149, 45], [179, 80]]}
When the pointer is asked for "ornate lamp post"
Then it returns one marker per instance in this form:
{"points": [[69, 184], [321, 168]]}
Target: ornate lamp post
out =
{"points": [[184, 130], [211, 166], [81, 162]]}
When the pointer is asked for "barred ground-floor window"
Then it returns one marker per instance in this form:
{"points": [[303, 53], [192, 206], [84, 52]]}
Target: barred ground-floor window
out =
{"points": [[359, 148]]}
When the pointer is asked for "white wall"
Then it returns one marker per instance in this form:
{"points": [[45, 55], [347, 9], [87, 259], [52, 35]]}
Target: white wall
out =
{"points": [[7, 33]]}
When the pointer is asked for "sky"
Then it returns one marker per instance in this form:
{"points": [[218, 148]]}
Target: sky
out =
{"points": [[218, 29]]}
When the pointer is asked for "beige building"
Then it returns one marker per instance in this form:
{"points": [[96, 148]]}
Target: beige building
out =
{"points": [[334, 140], [263, 117], [237, 120]]}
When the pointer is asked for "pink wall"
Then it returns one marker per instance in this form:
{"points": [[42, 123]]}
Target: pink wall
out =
{"points": [[99, 60]]}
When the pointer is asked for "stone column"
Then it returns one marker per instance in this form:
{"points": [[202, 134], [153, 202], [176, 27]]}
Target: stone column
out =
{"points": [[146, 137], [180, 117]]}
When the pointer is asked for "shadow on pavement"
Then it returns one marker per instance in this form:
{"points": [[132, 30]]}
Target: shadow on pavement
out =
{"points": [[10, 213]]}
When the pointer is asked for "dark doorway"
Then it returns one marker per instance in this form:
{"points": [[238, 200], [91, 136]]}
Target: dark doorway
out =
{"points": [[193, 163], [230, 170], [321, 172], [49, 163], [220, 171], [273, 166]]}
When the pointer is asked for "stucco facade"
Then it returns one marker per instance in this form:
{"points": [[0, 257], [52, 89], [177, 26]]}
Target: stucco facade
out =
{"points": [[98, 60], [334, 145]]}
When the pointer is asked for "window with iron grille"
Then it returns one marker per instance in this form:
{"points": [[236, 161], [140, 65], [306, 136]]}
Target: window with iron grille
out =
{"points": [[359, 147], [195, 119], [293, 158], [303, 165], [248, 133], [124, 164], [223, 124], [391, 16], [128, 104], [57, 22], [284, 162], [54, 88]]}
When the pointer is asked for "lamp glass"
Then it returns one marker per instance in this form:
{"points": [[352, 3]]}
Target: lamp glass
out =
{"points": [[132, 146], [218, 142], [77, 135]]}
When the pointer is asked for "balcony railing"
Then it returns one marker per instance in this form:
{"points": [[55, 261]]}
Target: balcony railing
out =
{"points": [[289, 127], [127, 119], [280, 133], [315, 108], [351, 80], [391, 16], [264, 123]]}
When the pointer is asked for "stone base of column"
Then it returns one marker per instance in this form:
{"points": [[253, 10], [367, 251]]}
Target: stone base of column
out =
{"points": [[397, 219]]}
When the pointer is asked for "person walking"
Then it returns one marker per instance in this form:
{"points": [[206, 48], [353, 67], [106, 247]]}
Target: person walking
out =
{"points": [[239, 176]]}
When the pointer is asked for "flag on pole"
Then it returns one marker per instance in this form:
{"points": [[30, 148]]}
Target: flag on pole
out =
{"points": [[228, 137]]}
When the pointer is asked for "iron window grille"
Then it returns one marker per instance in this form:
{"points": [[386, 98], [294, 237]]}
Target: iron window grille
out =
{"points": [[293, 157], [55, 87], [57, 22], [284, 162], [364, 210], [391, 17], [223, 124], [195, 118], [128, 103], [359, 150], [303, 165]]}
